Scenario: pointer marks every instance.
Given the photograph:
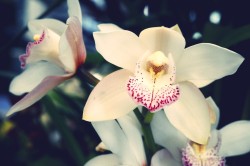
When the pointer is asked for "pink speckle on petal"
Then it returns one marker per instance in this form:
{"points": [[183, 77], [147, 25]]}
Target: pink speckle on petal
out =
{"points": [[154, 99], [23, 57]]}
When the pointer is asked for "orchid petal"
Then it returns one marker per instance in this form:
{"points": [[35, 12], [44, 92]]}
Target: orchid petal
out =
{"points": [[121, 48], [74, 9], [164, 158], [134, 120], [165, 40], [32, 76], [176, 28], [109, 99], [201, 83], [190, 114], [104, 160], [214, 112], [213, 139], [114, 138], [235, 139], [72, 48], [37, 26], [207, 62], [133, 134], [38, 92], [108, 27], [165, 134]]}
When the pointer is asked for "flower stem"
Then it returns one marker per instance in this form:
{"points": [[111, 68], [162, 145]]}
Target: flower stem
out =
{"points": [[148, 118], [151, 147], [69, 141], [88, 76]]}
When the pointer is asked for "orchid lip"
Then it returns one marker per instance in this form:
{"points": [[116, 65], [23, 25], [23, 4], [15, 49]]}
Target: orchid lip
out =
{"points": [[38, 39], [153, 85], [198, 155]]}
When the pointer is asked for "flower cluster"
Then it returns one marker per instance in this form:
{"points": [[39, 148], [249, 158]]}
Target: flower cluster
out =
{"points": [[160, 74], [150, 112]]}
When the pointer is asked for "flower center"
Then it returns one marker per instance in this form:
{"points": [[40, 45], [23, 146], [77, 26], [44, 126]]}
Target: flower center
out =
{"points": [[154, 83], [37, 40], [199, 149], [157, 64], [197, 155], [36, 37]]}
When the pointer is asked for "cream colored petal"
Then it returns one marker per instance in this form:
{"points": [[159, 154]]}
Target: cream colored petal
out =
{"points": [[72, 49], [38, 92], [165, 40], [33, 76], [133, 134], [109, 99], [108, 27], [115, 139], [176, 28], [166, 135], [121, 48], [37, 26], [103, 160], [214, 112], [235, 139], [213, 139], [74, 9], [164, 158], [201, 83], [190, 113], [207, 61]]}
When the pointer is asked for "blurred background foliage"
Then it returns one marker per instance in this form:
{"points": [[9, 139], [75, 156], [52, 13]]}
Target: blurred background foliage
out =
{"points": [[51, 132]]}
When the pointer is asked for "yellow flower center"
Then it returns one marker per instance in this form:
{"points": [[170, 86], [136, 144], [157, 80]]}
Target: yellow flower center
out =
{"points": [[36, 37], [157, 64], [199, 149]]}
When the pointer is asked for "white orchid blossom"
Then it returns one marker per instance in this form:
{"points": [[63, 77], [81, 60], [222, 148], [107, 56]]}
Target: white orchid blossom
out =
{"points": [[123, 138], [52, 58], [158, 73], [231, 140]]}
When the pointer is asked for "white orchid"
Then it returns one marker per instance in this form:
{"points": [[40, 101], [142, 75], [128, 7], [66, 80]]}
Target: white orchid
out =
{"points": [[158, 73], [123, 138], [52, 58], [231, 140]]}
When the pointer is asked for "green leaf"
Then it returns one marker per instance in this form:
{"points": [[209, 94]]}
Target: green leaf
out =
{"points": [[213, 33], [225, 36], [236, 36]]}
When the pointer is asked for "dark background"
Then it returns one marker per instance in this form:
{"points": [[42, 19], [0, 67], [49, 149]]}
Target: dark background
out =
{"points": [[30, 138]]}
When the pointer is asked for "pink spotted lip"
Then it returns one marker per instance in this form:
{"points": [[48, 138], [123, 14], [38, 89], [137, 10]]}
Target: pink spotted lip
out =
{"points": [[158, 94], [152, 99], [209, 158], [23, 57]]}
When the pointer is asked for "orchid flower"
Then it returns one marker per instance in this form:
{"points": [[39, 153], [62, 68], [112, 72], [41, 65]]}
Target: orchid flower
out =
{"points": [[231, 140], [123, 138], [52, 58], [158, 73]]}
